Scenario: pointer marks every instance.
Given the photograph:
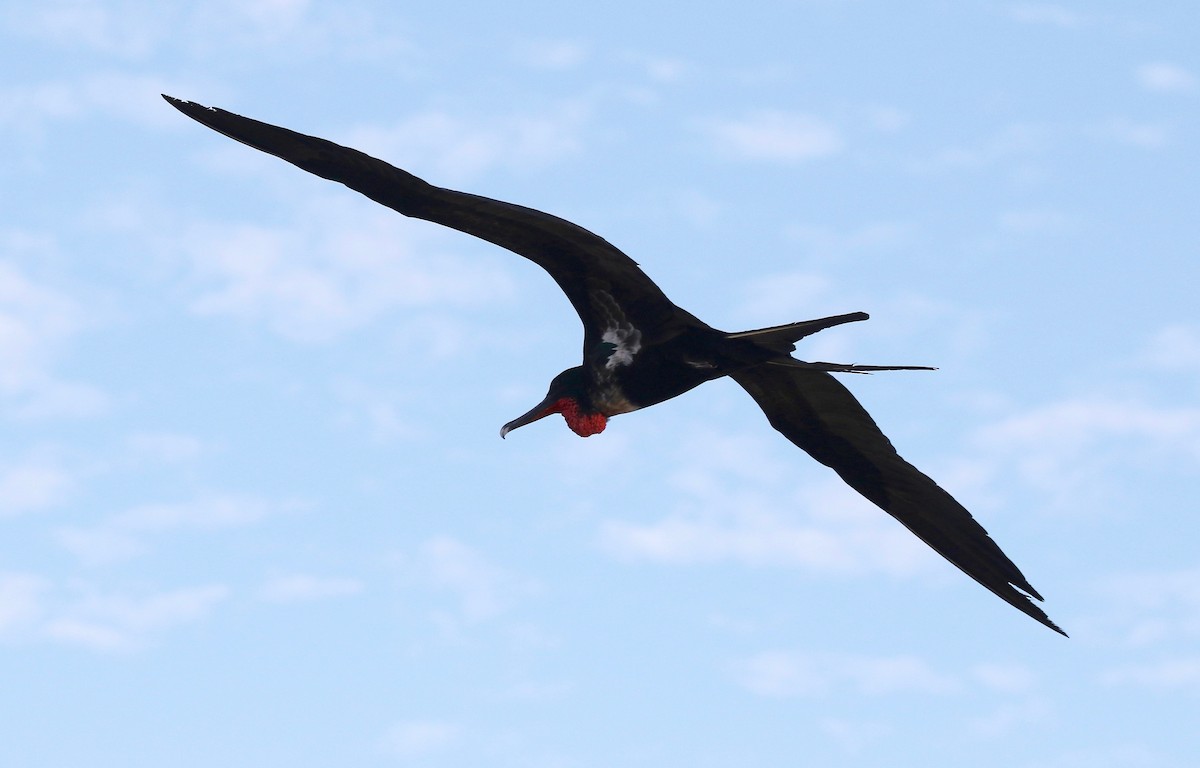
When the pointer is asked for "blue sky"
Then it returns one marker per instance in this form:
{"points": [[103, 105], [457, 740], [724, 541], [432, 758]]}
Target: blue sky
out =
{"points": [[255, 508]]}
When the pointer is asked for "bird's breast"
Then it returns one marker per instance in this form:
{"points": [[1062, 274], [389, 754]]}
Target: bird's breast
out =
{"points": [[611, 400]]}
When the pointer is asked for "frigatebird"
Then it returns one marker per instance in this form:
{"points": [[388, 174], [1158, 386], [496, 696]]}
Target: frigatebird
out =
{"points": [[640, 349]]}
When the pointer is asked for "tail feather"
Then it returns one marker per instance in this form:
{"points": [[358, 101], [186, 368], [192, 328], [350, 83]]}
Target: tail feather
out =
{"points": [[845, 367], [783, 338]]}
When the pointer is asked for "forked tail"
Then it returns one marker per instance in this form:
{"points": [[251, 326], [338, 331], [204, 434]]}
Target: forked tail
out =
{"points": [[846, 367], [783, 338]]}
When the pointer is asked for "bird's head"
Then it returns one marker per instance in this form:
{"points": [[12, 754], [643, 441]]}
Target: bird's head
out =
{"points": [[568, 395]]}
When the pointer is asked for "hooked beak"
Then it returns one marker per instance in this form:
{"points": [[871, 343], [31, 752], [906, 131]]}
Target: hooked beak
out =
{"points": [[539, 411]]}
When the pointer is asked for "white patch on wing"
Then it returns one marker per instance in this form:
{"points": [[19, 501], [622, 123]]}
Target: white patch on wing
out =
{"points": [[618, 331], [627, 340]]}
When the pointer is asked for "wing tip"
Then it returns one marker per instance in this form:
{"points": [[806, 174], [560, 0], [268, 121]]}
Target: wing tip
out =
{"points": [[1047, 621], [1027, 594]]}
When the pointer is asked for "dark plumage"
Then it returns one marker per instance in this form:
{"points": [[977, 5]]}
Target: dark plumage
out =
{"points": [[640, 349]]}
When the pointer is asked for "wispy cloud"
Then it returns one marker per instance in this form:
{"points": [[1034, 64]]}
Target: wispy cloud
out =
{"points": [[1147, 609], [1174, 347], [21, 597], [820, 525], [301, 587], [774, 136], [768, 540], [126, 29], [772, 297], [36, 324], [1046, 14], [127, 533], [121, 622], [133, 30], [1007, 677], [1135, 133], [482, 589], [31, 484], [1064, 447], [160, 447], [558, 55], [853, 735], [28, 108], [1168, 674], [33, 609], [1002, 148], [205, 514], [1165, 77], [1034, 220], [384, 414], [662, 69], [804, 673], [413, 739], [326, 274], [1011, 717], [451, 148]]}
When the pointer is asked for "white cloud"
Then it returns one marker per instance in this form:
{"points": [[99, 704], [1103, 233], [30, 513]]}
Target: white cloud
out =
{"points": [[165, 447], [126, 29], [116, 622], [1140, 134], [344, 31], [204, 514], [1033, 220], [31, 484], [137, 29], [35, 324], [27, 108], [664, 70], [124, 534], [1046, 14], [1150, 608], [1066, 447], [1006, 678], [1164, 77], [737, 503], [852, 546], [21, 602], [552, 54], [1019, 140], [775, 136], [327, 274], [1010, 718], [1168, 674], [697, 208], [100, 545], [451, 149], [853, 735], [385, 414], [873, 236], [773, 299], [300, 587], [33, 320], [887, 119], [32, 608], [802, 673], [483, 589], [418, 738], [1175, 347]]}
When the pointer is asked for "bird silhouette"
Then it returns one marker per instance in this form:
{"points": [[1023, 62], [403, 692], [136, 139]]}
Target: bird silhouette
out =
{"points": [[640, 349]]}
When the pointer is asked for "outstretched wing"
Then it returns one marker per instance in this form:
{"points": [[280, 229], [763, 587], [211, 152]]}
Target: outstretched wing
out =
{"points": [[598, 279], [817, 413]]}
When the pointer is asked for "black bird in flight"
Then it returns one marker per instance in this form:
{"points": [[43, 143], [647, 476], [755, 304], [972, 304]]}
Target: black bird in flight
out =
{"points": [[640, 349]]}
